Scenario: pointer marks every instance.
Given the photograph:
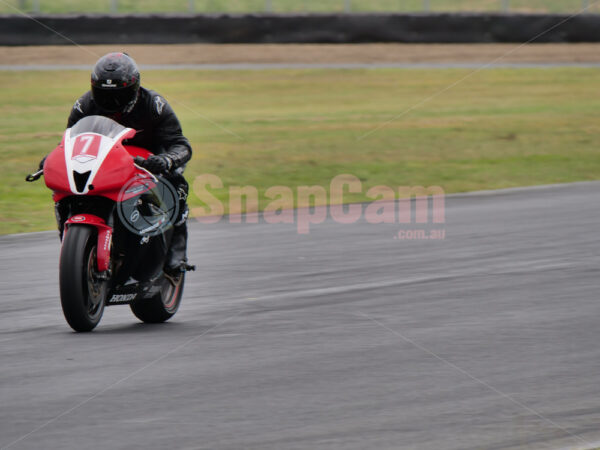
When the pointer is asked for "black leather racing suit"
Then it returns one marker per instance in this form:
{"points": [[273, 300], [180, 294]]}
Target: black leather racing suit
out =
{"points": [[159, 131]]}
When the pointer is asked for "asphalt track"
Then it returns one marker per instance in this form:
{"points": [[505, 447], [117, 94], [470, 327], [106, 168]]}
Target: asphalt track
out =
{"points": [[344, 338], [279, 66]]}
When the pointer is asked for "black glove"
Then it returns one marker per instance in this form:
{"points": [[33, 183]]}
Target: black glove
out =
{"points": [[155, 163], [41, 166]]}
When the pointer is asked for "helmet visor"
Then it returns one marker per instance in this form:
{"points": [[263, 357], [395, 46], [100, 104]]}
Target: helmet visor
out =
{"points": [[114, 99]]}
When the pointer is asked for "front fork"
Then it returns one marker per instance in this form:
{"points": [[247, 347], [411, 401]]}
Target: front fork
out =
{"points": [[104, 238]]}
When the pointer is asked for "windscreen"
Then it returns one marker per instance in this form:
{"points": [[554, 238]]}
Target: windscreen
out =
{"points": [[97, 124]]}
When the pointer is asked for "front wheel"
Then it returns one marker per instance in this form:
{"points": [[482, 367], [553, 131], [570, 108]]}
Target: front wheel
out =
{"points": [[82, 293], [163, 305]]}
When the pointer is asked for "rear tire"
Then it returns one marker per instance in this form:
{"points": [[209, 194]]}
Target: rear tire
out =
{"points": [[163, 305], [82, 296]]}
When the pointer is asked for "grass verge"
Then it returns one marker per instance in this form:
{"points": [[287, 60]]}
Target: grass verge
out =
{"points": [[287, 6], [496, 129]]}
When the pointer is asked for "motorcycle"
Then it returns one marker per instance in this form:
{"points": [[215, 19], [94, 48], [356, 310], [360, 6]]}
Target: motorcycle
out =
{"points": [[115, 221]]}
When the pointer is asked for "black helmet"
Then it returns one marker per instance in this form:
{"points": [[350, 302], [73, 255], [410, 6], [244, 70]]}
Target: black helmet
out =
{"points": [[115, 83]]}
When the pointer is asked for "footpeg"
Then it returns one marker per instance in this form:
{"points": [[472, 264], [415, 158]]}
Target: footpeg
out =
{"points": [[175, 272]]}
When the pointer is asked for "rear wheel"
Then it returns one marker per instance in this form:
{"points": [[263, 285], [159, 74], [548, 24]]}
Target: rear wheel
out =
{"points": [[163, 305], [82, 293]]}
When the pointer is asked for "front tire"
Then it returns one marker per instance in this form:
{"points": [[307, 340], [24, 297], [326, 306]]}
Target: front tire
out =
{"points": [[82, 294], [163, 305]]}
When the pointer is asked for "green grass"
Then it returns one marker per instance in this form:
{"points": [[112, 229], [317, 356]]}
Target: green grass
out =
{"points": [[129, 6], [498, 128]]}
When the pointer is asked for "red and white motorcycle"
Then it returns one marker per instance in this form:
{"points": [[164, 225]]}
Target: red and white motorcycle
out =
{"points": [[115, 220]]}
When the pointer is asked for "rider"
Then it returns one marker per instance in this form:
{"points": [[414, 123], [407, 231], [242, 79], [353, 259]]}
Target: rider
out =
{"points": [[116, 93]]}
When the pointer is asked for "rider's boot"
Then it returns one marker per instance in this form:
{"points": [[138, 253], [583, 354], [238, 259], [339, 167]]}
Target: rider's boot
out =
{"points": [[176, 260]]}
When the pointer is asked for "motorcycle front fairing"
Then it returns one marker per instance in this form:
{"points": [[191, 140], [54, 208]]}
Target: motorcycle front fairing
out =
{"points": [[91, 160]]}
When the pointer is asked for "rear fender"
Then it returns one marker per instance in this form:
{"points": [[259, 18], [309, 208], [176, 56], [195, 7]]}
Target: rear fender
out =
{"points": [[104, 236]]}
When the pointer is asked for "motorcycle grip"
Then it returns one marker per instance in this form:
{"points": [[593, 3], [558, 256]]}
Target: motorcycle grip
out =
{"points": [[34, 176]]}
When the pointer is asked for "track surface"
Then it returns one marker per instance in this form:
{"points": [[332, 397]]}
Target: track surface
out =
{"points": [[343, 338]]}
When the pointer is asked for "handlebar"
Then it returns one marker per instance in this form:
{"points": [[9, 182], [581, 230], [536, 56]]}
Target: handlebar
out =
{"points": [[138, 161], [34, 176]]}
